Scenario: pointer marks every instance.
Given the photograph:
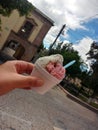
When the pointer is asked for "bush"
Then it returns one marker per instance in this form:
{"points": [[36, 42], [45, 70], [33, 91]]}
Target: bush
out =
{"points": [[83, 98], [70, 87], [94, 105]]}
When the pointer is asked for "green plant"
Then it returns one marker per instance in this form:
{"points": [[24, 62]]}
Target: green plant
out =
{"points": [[83, 98], [94, 104]]}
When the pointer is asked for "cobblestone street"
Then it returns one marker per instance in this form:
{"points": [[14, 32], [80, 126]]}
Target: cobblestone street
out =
{"points": [[27, 110]]}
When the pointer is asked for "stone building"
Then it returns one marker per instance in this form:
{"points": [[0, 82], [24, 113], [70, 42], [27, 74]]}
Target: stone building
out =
{"points": [[21, 37]]}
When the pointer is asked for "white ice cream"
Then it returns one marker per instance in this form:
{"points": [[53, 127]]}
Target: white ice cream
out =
{"points": [[43, 61]]}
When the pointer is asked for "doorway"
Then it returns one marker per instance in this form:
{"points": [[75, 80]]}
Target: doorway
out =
{"points": [[16, 47]]}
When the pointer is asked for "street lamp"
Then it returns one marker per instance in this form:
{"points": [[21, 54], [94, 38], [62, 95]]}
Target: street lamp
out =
{"points": [[56, 38]]}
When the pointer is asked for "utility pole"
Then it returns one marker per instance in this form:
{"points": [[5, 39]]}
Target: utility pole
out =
{"points": [[56, 38]]}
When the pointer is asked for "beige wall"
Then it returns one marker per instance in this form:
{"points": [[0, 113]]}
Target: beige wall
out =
{"points": [[14, 22], [7, 24], [37, 29]]}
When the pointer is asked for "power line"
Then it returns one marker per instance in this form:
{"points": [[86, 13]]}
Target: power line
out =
{"points": [[88, 18]]}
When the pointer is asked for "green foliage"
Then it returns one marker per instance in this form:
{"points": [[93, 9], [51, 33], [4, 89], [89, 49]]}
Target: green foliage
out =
{"points": [[7, 6], [94, 85], [69, 54], [94, 105], [41, 47], [85, 77], [73, 70], [94, 77], [83, 98]]}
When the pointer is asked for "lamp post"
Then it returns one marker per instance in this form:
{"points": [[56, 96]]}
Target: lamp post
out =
{"points": [[56, 38]]}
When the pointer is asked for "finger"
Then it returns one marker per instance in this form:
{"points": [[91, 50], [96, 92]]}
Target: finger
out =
{"points": [[28, 81], [24, 67], [28, 88]]}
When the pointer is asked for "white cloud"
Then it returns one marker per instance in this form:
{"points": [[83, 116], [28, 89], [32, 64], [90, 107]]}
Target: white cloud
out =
{"points": [[83, 47], [71, 12]]}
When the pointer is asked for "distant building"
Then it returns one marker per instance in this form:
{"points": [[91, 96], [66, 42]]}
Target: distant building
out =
{"points": [[22, 36]]}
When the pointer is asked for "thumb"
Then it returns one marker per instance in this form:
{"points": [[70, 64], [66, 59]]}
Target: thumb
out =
{"points": [[29, 81]]}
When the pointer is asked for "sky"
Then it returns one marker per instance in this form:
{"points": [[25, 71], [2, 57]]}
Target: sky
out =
{"points": [[80, 17]]}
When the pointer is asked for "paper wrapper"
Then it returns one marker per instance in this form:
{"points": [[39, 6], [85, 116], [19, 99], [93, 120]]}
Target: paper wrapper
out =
{"points": [[49, 80]]}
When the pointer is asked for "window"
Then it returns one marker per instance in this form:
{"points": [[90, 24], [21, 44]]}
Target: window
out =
{"points": [[26, 29]]}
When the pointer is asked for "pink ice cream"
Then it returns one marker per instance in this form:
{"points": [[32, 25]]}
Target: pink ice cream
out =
{"points": [[53, 64], [56, 69]]}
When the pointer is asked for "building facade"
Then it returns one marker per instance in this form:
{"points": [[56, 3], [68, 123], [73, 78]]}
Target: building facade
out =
{"points": [[21, 37]]}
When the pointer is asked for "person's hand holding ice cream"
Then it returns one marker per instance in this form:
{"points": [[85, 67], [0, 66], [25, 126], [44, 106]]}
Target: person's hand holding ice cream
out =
{"points": [[51, 70], [47, 72], [11, 76]]}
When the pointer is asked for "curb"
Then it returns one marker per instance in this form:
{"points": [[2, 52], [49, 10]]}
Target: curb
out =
{"points": [[79, 101]]}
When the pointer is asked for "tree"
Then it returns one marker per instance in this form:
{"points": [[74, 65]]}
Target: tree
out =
{"points": [[7, 6], [93, 54], [69, 54]]}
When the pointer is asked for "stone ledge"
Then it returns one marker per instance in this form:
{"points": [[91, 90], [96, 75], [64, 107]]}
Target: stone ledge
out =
{"points": [[79, 101]]}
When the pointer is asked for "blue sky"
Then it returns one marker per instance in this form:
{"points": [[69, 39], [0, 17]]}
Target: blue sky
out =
{"points": [[78, 34]]}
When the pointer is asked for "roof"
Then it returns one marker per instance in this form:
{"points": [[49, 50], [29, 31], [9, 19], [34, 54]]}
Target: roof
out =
{"points": [[43, 15]]}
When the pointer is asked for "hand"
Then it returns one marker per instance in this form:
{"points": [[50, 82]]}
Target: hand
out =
{"points": [[11, 76]]}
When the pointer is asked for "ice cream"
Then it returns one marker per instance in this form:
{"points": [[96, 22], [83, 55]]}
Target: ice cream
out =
{"points": [[53, 64], [51, 70], [56, 69], [43, 61]]}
